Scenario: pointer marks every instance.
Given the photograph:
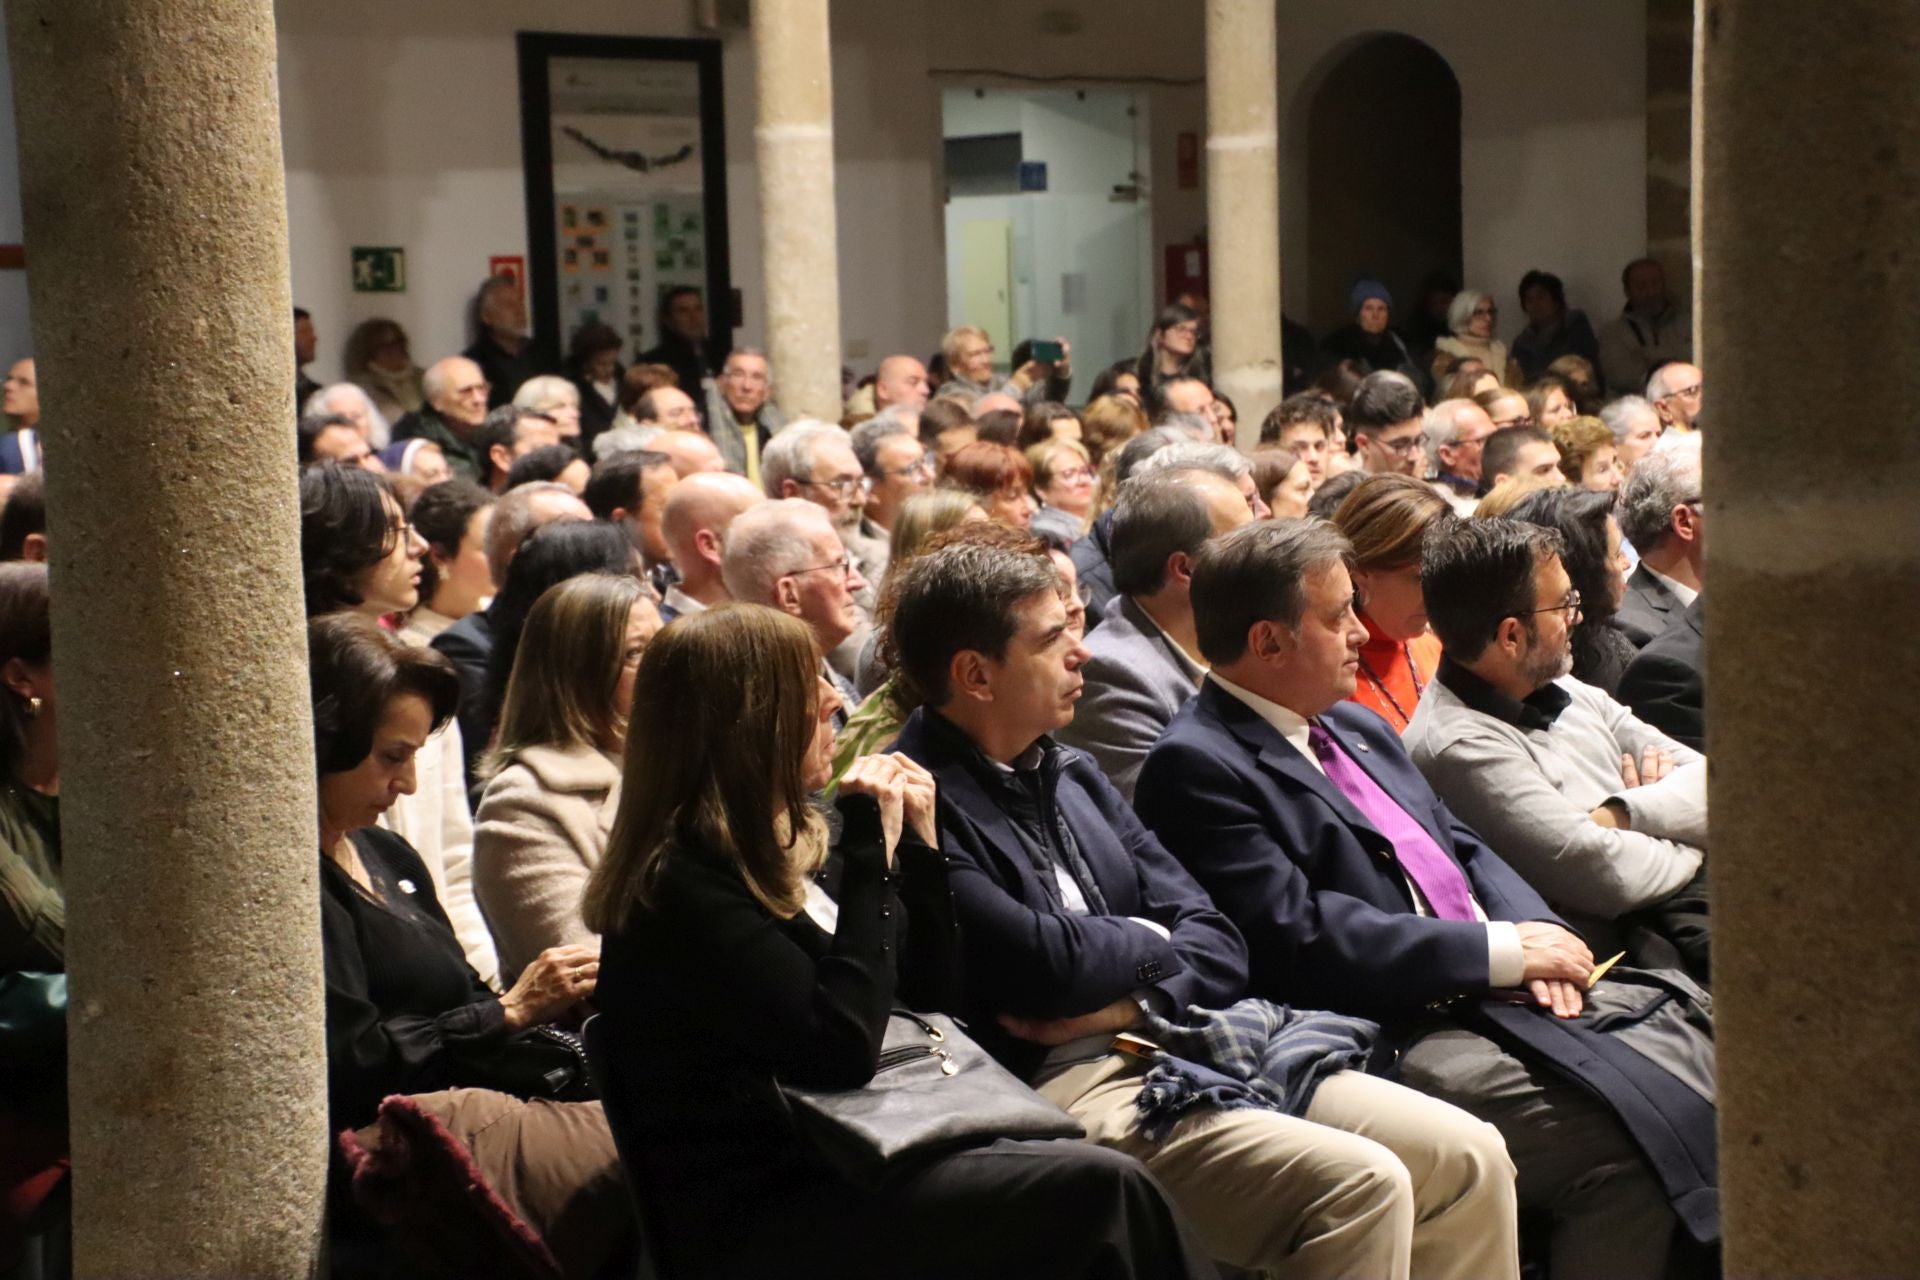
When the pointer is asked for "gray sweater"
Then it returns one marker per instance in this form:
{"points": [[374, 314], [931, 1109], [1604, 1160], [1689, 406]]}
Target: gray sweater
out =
{"points": [[1526, 778]]}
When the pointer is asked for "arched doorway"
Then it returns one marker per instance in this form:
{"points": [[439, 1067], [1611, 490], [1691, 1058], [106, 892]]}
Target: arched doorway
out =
{"points": [[1383, 174]]}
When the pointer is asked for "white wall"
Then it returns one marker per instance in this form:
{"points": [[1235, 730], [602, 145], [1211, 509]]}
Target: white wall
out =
{"points": [[401, 124], [1553, 134], [402, 127]]}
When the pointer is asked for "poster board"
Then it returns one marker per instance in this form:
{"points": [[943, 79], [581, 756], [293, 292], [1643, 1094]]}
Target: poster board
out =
{"points": [[626, 183]]}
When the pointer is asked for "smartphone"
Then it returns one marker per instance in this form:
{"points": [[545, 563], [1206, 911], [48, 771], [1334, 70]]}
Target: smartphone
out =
{"points": [[1047, 352]]}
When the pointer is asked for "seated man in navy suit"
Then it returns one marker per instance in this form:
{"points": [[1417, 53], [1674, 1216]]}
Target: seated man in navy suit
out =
{"points": [[1357, 890], [1076, 921]]}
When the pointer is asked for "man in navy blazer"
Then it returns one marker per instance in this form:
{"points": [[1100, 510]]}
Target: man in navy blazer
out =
{"points": [[1075, 922], [1357, 890]]}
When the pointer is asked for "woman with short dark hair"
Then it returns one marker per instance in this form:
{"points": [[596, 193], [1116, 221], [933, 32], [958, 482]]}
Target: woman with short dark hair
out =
{"points": [[730, 970], [1174, 349], [359, 554], [452, 518], [1553, 330], [1386, 517], [405, 1012], [357, 550], [1598, 569], [33, 923]]}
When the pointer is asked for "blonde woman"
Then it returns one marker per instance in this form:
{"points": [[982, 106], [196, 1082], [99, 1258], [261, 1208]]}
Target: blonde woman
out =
{"points": [[1064, 480], [554, 398], [553, 777]]}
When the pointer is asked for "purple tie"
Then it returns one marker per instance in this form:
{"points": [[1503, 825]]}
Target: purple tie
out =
{"points": [[1424, 861]]}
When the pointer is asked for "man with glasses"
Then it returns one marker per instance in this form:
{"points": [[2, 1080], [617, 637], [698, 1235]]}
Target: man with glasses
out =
{"points": [[788, 556], [1384, 420], [815, 461], [1602, 813], [897, 466], [456, 393], [1356, 889], [1675, 391], [1454, 432]]}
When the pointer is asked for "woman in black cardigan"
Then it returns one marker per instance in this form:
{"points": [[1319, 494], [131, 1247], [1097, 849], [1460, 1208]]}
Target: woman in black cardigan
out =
{"points": [[405, 1012], [727, 966]]}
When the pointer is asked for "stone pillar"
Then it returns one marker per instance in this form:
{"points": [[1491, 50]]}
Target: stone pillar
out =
{"points": [[1243, 208], [793, 86], [1813, 213], [151, 180]]}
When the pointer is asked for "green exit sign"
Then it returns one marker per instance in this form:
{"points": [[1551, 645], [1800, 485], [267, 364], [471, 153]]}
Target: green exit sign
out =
{"points": [[379, 270]]}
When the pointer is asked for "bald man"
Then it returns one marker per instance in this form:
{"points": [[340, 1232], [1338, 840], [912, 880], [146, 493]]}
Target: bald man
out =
{"points": [[456, 405], [1675, 391], [693, 452], [698, 511], [901, 380], [1454, 432]]}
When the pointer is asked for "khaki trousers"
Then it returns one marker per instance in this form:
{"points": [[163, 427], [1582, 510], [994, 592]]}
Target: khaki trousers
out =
{"points": [[1376, 1182]]}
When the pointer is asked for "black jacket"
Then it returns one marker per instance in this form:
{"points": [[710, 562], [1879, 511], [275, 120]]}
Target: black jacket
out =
{"points": [[505, 370], [706, 999], [1666, 684], [1025, 954]]}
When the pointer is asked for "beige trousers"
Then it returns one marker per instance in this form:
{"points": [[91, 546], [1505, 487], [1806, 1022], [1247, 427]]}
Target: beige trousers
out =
{"points": [[1377, 1182]]}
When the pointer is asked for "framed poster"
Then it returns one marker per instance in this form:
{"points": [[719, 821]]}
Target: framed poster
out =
{"points": [[624, 152]]}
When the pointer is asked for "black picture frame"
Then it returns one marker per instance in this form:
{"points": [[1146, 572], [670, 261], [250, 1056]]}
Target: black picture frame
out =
{"points": [[536, 50]]}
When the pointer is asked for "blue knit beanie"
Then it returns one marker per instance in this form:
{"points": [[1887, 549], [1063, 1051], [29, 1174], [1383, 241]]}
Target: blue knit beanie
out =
{"points": [[1364, 289]]}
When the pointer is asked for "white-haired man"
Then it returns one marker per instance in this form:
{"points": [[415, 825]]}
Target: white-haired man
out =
{"points": [[787, 555]]}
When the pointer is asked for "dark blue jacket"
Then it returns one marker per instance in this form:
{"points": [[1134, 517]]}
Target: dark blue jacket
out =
{"points": [[1316, 891], [1022, 953], [1330, 922]]}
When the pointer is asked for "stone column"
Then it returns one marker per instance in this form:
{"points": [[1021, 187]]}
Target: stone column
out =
{"points": [[1243, 208], [793, 87], [1813, 213], [152, 185]]}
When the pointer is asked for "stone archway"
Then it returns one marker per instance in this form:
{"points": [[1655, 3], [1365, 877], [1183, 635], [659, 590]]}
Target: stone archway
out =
{"points": [[1383, 174]]}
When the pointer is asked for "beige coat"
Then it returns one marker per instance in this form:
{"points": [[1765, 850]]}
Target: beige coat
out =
{"points": [[541, 828]]}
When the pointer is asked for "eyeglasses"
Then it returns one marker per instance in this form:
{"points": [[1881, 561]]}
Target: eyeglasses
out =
{"points": [[844, 486], [1512, 422], [1405, 446], [843, 566], [1074, 474], [921, 466], [1570, 607], [1486, 311], [1688, 392]]}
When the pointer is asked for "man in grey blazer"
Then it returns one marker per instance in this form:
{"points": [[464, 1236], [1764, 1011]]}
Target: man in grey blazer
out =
{"points": [[1145, 658], [1662, 515]]}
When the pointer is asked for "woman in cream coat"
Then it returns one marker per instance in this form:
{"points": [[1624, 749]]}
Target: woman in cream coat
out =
{"points": [[554, 773]]}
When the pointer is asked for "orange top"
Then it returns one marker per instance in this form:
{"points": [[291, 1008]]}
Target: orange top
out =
{"points": [[1394, 675]]}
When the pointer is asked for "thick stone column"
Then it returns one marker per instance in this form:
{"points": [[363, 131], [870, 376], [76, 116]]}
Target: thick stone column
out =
{"points": [[793, 86], [1813, 213], [1243, 207], [152, 183]]}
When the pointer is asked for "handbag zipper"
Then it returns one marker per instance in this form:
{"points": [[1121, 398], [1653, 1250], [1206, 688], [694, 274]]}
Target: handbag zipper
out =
{"points": [[895, 1058]]}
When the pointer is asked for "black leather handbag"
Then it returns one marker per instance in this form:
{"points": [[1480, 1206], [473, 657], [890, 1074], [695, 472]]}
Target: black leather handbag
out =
{"points": [[934, 1091]]}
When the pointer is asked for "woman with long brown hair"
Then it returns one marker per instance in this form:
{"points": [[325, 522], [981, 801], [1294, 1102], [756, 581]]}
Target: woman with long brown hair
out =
{"points": [[728, 968]]}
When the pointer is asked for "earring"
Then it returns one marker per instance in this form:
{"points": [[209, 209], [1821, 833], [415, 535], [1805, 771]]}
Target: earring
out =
{"points": [[33, 706]]}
